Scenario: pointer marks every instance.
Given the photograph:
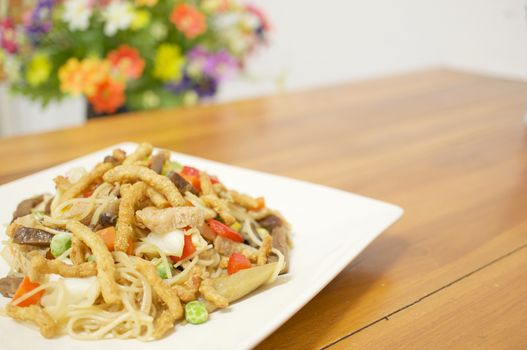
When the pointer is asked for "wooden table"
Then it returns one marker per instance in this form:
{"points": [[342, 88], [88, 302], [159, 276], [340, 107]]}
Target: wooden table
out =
{"points": [[449, 147]]}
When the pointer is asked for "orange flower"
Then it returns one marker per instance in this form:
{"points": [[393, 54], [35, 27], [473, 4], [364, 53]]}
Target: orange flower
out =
{"points": [[189, 20], [108, 96], [126, 61], [81, 77]]}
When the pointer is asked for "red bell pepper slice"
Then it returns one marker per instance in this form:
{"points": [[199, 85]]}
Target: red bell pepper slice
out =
{"points": [[237, 262], [188, 249], [224, 231]]}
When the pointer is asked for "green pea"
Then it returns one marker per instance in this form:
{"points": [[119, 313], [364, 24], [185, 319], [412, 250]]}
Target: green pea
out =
{"points": [[60, 243], [161, 269], [196, 312], [91, 258]]}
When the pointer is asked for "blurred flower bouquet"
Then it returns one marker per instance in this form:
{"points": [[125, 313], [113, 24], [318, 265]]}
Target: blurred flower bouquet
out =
{"points": [[138, 54]]}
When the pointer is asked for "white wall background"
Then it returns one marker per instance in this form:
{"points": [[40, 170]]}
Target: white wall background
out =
{"points": [[321, 42], [324, 42]]}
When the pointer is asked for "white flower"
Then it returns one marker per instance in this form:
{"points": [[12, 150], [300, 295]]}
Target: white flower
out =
{"points": [[118, 15], [77, 14], [158, 31], [12, 68]]}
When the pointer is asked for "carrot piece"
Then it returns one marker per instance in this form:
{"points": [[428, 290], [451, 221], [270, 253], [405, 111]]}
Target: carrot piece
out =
{"points": [[108, 236], [25, 287]]}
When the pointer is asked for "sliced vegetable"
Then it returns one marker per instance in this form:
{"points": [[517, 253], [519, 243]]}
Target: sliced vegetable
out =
{"points": [[238, 285], [191, 175], [237, 262], [108, 236], [224, 230], [162, 269], [236, 226], [262, 231], [188, 170], [196, 312], [188, 249], [75, 291], [25, 287], [59, 244], [214, 179], [170, 243], [169, 166], [38, 215]]}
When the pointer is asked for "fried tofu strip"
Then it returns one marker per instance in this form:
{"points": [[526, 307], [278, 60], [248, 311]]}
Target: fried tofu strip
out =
{"points": [[36, 314], [226, 247], [124, 229], [265, 250], [134, 173], [188, 291], [163, 290], [80, 186], [157, 198], [163, 324], [211, 294], [41, 265], [219, 188], [220, 207], [105, 263], [244, 200], [211, 199], [117, 157], [169, 219], [142, 151], [61, 183], [206, 184], [78, 251]]}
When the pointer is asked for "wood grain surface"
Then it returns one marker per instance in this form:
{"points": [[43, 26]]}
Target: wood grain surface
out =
{"points": [[448, 147]]}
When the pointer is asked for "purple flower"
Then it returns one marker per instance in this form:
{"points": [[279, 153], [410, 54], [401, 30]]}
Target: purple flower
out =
{"points": [[181, 86], [40, 21], [204, 86], [217, 65]]}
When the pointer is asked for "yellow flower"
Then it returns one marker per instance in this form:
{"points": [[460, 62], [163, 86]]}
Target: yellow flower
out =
{"points": [[168, 62], [149, 3], [141, 19], [38, 70], [78, 77]]}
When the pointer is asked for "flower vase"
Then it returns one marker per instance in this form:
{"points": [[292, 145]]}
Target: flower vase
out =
{"points": [[20, 115]]}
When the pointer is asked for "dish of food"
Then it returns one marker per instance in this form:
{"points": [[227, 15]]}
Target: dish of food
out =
{"points": [[135, 245], [330, 227]]}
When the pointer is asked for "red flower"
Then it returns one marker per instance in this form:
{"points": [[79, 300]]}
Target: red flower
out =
{"points": [[189, 20], [108, 96], [8, 36], [127, 61]]}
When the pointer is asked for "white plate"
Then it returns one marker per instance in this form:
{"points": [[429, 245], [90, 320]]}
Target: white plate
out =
{"points": [[330, 228]]}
